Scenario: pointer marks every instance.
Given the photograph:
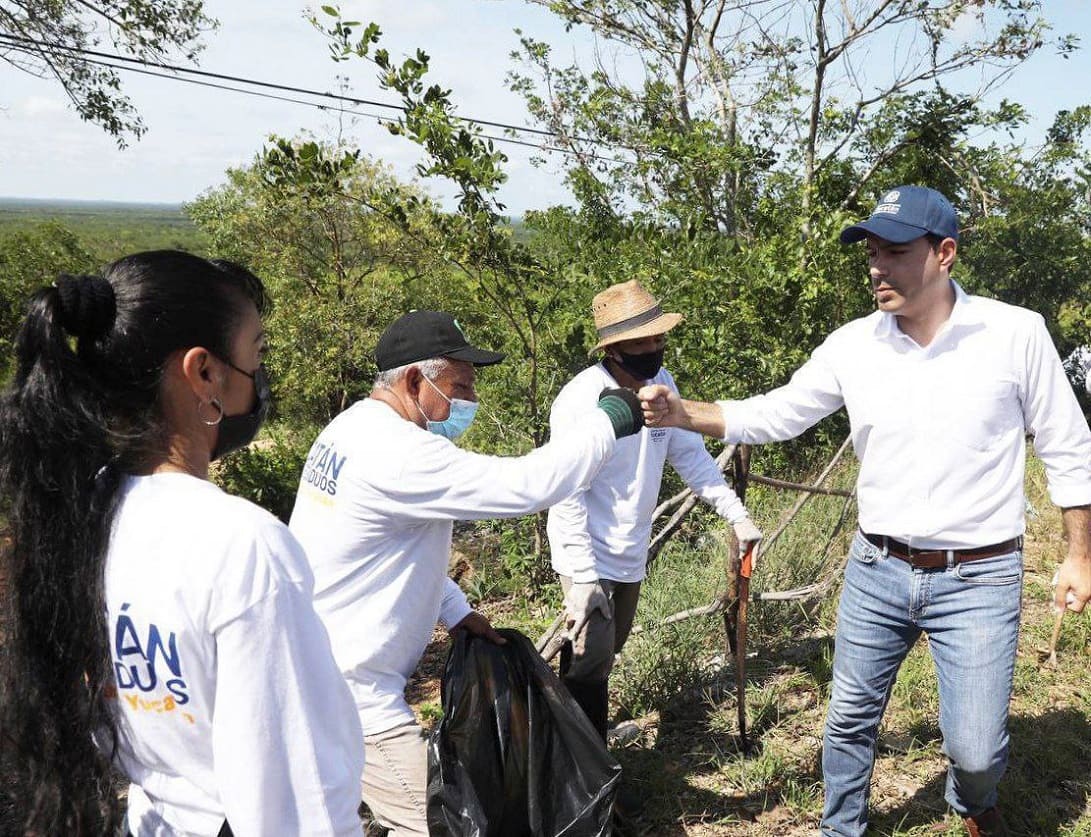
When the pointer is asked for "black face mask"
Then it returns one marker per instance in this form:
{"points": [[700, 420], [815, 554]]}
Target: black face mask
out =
{"points": [[239, 431], [643, 367]]}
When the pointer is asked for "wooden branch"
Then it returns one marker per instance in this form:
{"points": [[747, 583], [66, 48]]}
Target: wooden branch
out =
{"points": [[795, 486], [670, 503], [711, 609], [768, 542], [818, 588], [809, 591], [671, 526], [551, 642]]}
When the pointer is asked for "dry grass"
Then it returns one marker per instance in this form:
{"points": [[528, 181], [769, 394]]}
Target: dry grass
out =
{"points": [[687, 764]]}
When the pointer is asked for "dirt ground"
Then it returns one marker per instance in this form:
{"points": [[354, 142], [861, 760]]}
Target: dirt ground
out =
{"points": [[687, 763]]}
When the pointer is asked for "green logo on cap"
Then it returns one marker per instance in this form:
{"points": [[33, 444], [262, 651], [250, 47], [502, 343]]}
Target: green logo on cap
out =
{"points": [[458, 325]]}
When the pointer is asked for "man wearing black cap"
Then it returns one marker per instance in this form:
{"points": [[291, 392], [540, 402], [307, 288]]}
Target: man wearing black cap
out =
{"points": [[941, 389], [380, 489]]}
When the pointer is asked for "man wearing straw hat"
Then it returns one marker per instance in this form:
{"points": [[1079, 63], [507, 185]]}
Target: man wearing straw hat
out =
{"points": [[599, 536]]}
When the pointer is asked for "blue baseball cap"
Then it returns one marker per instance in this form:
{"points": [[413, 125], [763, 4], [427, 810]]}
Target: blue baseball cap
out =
{"points": [[905, 213]]}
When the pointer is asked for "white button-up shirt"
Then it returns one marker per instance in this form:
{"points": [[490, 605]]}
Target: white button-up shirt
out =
{"points": [[939, 430]]}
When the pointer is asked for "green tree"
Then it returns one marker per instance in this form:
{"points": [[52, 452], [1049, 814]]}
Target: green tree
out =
{"points": [[299, 216], [31, 259], [1024, 209], [47, 38], [521, 288], [721, 95], [772, 123]]}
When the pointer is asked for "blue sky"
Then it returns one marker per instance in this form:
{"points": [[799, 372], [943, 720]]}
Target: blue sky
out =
{"points": [[194, 134]]}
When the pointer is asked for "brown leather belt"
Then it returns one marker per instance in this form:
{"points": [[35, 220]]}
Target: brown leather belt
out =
{"points": [[930, 559]]}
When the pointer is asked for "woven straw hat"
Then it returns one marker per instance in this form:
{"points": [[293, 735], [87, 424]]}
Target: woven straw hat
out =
{"points": [[626, 312]]}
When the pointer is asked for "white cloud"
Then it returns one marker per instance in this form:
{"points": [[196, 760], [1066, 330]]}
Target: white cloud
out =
{"points": [[967, 27], [39, 105]]}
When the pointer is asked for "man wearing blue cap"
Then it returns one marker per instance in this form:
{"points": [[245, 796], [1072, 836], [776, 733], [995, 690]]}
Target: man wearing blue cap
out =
{"points": [[941, 389]]}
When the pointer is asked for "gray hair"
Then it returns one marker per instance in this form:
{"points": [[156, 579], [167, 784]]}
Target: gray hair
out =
{"points": [[430, 369]]}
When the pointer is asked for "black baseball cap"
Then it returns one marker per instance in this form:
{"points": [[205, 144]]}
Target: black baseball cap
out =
{"points": [[420, 335], [906, 213]]}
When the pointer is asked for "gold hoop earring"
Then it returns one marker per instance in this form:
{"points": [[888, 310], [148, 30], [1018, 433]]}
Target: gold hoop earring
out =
{"points": [[215, 402]]}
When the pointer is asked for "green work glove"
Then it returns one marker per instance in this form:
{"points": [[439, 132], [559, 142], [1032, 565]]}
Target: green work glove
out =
{"points": [[623, 408]]}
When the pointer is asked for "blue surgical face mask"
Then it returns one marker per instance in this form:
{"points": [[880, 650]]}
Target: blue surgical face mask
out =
{"points": [[458, 420]]}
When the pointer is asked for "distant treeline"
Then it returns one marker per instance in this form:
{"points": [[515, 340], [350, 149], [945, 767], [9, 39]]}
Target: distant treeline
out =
{"points": [[107, 229]]}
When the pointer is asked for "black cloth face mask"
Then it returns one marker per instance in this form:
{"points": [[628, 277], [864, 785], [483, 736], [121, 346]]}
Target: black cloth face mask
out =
{"points": [[643, 366], [239, 431]]}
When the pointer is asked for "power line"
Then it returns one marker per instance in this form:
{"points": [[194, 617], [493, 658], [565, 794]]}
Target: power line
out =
{"points": [[21, 42], [338, 108]]}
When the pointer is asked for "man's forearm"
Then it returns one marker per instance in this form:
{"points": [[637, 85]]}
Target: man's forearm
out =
{"points": [[1077, 530], [703, 417]]}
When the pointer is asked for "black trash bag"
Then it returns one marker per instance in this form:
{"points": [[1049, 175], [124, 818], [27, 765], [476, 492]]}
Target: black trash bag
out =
{"points": [[514, 755]]}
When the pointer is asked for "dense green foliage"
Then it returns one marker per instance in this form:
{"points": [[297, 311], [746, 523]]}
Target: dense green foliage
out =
{"points": [[107, 230], [267, 472], [29, 259]]}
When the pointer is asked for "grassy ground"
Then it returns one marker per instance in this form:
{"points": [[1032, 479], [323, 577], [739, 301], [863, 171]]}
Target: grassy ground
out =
{"points": [[686, 760]]}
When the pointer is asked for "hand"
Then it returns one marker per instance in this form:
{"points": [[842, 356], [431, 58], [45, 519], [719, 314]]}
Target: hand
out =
{"points": [[623, 408], [1072, 585], [748, 535], [583, 599], [662, 405], [476, 624]]}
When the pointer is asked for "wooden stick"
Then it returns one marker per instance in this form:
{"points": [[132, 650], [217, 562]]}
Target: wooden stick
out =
{"points": [[552, 640], [768, 542], [795, 486], [1052, 661]]}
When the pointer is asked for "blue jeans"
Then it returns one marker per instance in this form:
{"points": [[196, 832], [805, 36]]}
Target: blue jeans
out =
{"points": [[970, 613]]}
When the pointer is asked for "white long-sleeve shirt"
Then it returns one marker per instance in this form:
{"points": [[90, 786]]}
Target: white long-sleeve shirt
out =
{"points": [[603, 531], [939, 430], [229, 701], [374, 512]]}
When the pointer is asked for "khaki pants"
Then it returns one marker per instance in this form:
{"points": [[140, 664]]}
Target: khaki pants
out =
{"points": [[395, 784], [601, 638]]}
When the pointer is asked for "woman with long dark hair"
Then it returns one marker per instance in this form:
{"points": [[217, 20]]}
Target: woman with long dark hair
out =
{"points": [[151, 622]]}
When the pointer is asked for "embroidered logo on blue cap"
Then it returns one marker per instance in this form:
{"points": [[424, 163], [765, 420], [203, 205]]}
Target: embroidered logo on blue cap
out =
{"points": [[889, 204], [906, 213]]}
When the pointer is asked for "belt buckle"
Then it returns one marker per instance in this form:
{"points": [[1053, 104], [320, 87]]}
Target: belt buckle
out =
{"points": [[946, 557]]}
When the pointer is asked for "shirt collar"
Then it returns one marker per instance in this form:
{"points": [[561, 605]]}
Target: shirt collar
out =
{"points": [[964, 312]]}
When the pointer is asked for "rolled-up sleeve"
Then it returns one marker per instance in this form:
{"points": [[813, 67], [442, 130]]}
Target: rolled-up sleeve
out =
{"points": [[813, 393]]}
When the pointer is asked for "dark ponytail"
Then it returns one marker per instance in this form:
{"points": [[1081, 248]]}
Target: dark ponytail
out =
{"points": [[81, 411]]}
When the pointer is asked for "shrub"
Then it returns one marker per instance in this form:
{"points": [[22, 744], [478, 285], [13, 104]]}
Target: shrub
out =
{"points": [[267, 471]]}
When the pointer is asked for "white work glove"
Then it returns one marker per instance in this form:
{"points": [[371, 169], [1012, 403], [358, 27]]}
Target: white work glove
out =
{"points": [[581, 601], [748, 534]]}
